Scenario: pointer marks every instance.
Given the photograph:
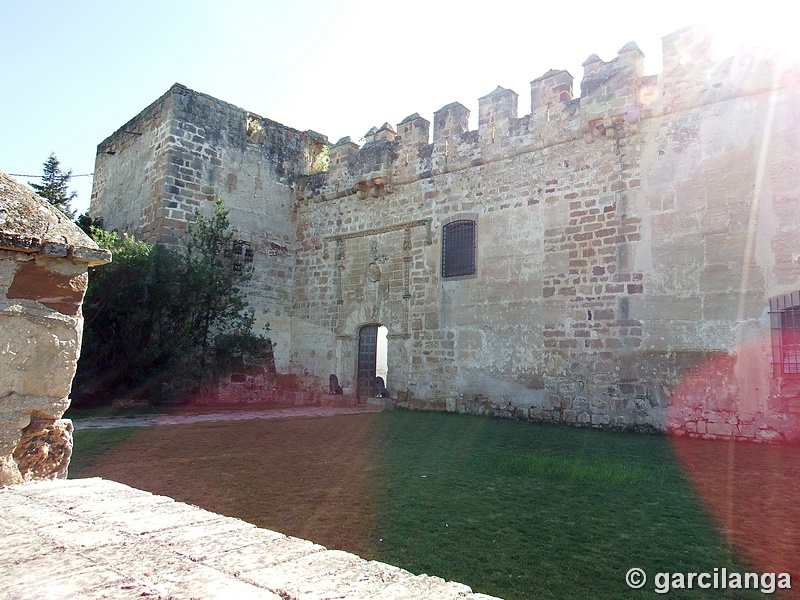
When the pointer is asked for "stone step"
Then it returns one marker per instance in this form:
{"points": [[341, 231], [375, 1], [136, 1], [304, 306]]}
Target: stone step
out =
{"points": [[382, 403], [337, 400]]}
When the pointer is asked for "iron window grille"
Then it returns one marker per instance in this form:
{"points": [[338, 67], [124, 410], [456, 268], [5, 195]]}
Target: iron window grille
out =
{"points": [[458, 248], [784, 313], [240, 252]]}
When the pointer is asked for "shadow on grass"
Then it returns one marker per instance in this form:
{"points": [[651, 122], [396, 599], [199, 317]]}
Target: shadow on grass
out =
{"points": [[517, 510]]}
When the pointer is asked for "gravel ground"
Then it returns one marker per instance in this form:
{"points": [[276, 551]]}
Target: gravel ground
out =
{"points": [[234, 415]]}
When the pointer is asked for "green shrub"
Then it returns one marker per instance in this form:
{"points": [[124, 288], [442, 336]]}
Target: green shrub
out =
{"points": [[154, 314]]}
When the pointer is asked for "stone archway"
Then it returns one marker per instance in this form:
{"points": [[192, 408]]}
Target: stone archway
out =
{"points": [[392, 326]]}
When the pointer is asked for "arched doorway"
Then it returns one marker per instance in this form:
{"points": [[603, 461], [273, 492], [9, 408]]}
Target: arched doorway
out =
{"points": [[372, 359]]}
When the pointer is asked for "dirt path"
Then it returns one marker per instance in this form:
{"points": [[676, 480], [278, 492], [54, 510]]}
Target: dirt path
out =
{"points": [[219, 415], [311, 478]]}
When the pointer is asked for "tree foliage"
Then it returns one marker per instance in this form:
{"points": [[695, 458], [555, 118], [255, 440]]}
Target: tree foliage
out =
{"points": [[154, 314], [53, 187], [86, 223], [128, 333], [215, 272]]}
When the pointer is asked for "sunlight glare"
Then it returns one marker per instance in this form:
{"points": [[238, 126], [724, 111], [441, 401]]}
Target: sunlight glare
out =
{"points": [[776, 35]]}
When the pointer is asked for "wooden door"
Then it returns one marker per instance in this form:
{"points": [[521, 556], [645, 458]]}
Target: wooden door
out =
{"points": [[367, 360]]}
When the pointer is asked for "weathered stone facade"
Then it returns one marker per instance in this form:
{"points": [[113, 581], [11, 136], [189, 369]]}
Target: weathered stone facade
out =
{"points": [[43, 273], [186, 149], [627, 243]]}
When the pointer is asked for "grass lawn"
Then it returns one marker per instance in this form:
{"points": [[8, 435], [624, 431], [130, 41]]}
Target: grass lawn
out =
{"points": [[517, 510]]}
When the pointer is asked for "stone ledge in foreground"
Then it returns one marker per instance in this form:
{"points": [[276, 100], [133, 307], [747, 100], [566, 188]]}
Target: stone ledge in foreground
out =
{"points": [[95, 538]]}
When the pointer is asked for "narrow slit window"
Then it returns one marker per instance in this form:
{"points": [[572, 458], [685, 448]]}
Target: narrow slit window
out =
{"points": [[458, 248]]}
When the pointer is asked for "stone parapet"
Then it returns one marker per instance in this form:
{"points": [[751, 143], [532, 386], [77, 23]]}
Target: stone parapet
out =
{"points": [[30, 225], [43, 275], [91, 538]]}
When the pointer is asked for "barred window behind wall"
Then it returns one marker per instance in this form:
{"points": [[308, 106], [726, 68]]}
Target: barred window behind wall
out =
{"points": [[784, 312], [458, 248]]}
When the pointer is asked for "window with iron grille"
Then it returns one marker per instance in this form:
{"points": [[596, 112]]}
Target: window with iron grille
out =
{"points": [[458, 248], [240, 252], [784, 312]]}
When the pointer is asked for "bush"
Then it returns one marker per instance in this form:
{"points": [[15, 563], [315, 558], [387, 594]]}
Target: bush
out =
{"points": [[154, 315]]}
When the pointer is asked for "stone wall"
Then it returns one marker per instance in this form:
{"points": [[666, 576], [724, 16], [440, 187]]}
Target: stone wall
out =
{"points": [[628, 242], [43, 275]]}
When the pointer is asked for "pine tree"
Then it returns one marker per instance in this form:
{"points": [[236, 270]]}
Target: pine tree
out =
{"points": [[54, 186]]}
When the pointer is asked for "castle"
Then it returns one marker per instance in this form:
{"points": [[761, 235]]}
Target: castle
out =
{"points": [[627, 258]]}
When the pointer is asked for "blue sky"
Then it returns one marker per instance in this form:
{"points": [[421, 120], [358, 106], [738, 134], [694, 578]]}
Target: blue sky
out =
{"points": [[74, 72]]}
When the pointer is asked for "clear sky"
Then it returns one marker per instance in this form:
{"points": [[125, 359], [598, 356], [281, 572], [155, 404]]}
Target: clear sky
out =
{"points": [[75, 71]]}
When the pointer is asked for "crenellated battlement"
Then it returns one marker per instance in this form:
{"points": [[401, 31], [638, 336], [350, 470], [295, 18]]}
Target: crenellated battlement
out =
{"points": [[615, 96]]}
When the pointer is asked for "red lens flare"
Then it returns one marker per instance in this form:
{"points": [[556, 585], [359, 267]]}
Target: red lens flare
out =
{"points": [[751, 490]]}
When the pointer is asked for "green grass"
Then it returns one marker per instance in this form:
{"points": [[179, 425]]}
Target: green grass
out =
{"points": [[516, 510], [91, 445], [524, 510]]}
